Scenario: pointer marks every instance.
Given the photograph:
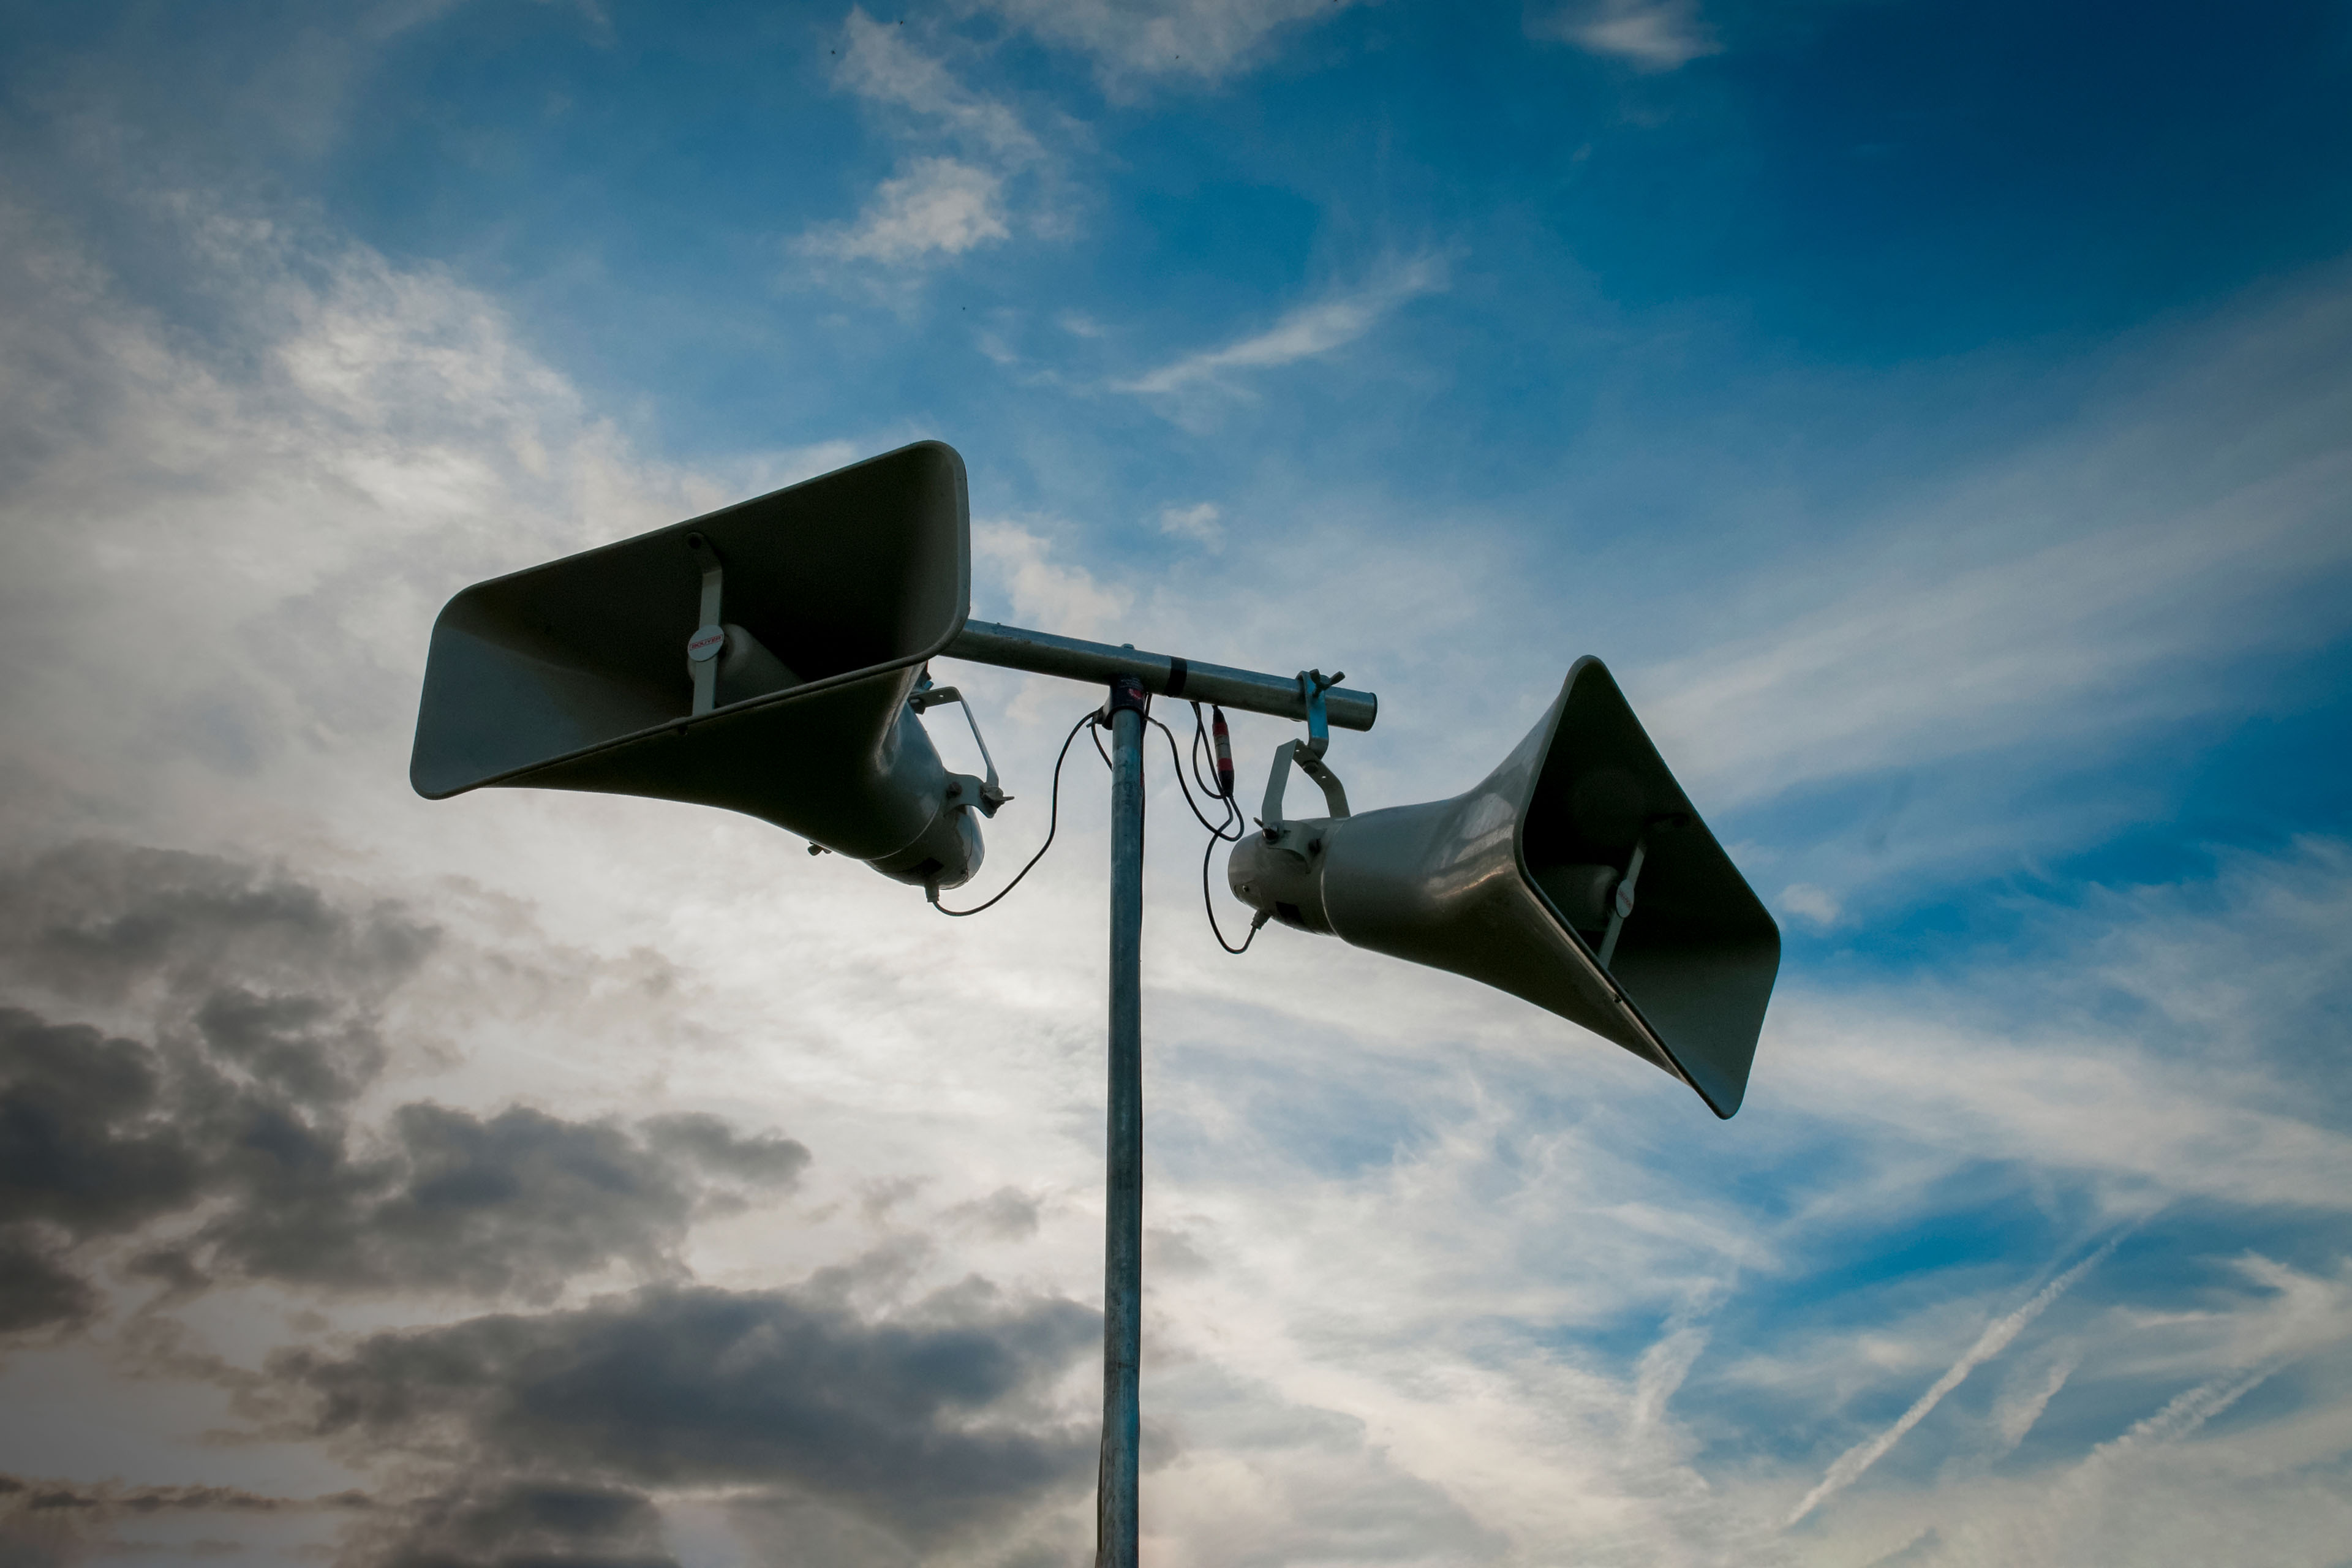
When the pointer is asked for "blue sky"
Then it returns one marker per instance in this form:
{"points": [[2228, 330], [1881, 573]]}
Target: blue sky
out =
{"points": [[1938, 416]]}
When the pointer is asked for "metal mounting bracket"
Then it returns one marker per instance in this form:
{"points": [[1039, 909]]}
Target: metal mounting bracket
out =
{"points": [[1621, 905], [991, 793], [1335, 794], [710, 639]]}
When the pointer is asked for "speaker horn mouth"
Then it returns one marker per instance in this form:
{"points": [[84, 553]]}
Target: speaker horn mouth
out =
{"points": [[1681, 938]]}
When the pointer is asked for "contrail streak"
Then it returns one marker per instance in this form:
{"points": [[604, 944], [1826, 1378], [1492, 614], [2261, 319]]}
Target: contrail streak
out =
{"points": [[1849, 1466]]}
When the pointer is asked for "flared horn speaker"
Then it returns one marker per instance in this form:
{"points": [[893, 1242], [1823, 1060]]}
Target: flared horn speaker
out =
{"points": [[1577, 876], [760, 658]]}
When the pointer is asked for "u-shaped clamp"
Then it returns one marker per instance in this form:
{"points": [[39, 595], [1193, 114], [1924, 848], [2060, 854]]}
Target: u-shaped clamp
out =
{"points": [[1335, 794]]}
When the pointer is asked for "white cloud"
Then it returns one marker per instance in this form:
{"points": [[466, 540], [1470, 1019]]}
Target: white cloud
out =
{"points": [[1306, 332], [1655, 35], [2096, 1106], [882, 64], [1907, 672], [265, 569], [2202, 1091], [1816, 904], [1996, 1338], [1429, 1224], [2028, 1393], [2159, 1492], [1198, 522], [2079, 592], [938, 207], [1204, 40], [1048, 595]]}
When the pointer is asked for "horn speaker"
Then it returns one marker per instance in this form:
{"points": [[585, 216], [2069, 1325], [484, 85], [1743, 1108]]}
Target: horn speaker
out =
{"points": [[810, 613], [1577, 876]]}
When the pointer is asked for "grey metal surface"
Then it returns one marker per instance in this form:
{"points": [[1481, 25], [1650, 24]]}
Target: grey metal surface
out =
{"points": [[1335, 794], [574, 674], [1117, 1479], [1515, 884], [1043, 653]]}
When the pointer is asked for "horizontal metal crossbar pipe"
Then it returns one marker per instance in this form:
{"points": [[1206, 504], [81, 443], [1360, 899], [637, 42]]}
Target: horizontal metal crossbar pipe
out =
{"points": [[1043, 653]]}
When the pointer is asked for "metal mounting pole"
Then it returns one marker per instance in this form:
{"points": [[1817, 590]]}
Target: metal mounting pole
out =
{"points": [[1116, 1483], [1250, 691]]}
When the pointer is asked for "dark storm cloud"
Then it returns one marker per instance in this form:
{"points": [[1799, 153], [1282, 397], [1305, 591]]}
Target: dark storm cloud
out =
{"points": [[265, 995], [99, 1136], [48, 1521], [710, 1143], [518, 1524], [923, 1423], [101, 922], [520, 1201], [36, 1287], [517, 1201], [83, 1145], [20, 1494]]}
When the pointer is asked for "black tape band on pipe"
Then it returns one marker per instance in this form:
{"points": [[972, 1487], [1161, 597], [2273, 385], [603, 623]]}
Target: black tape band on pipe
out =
{"points": [[1177, 670]]}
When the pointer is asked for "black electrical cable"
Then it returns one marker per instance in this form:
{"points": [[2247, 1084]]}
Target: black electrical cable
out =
{"points": [[1200, 745], [1228, 832], [1053, 823], [1173, 756], [1214, 929]]}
